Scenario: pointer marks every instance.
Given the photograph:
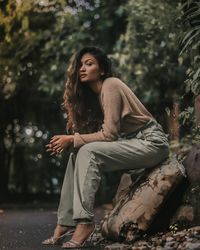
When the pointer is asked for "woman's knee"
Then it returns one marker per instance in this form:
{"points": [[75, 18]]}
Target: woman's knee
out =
{"points": [[85, 153], [90, 148], [90, 153]]}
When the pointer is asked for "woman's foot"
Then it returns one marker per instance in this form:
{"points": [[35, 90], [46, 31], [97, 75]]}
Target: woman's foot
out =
{"points": [[59, 233], [82, 233]]}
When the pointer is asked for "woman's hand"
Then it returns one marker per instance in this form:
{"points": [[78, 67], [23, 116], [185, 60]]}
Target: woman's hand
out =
{"points": [[58, 143]]}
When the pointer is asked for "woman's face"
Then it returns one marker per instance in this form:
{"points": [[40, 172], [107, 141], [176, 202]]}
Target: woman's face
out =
{"points": [[89, 69]]}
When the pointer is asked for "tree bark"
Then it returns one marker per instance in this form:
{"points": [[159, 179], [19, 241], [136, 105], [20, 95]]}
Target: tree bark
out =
{"points": [[4, 169], [173, 123]]}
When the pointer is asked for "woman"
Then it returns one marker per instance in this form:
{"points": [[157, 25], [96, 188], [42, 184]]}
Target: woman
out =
{"points": [[110, 129]]}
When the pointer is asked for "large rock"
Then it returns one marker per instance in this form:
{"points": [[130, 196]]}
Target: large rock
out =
{"points": [[192, 164], [139, 203], [188, 214]]}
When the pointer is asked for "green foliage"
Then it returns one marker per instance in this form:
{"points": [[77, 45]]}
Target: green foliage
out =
{"points": [[191, 44], [147, 54], [190, 47], [187, 114], [43, 38]]}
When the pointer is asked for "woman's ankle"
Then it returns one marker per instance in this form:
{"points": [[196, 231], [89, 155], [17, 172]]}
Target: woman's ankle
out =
{"points": [[83, 231], [60, 229]]}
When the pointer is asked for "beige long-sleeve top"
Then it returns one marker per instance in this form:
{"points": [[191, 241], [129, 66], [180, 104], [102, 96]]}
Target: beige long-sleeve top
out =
{"points": [[123, 113]]}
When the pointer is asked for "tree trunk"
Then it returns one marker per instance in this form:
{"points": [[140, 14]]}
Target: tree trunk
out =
{"points": [[173, 123], [4, 155], [4, 169]]}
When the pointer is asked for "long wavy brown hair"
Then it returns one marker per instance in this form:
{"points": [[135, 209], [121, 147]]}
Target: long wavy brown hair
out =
{"points": [[84, 114]]}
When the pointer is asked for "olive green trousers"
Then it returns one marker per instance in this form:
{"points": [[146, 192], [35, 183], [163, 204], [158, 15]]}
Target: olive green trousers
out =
{"points": [[142, 149]]}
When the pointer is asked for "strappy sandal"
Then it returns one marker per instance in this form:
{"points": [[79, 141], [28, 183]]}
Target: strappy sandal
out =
{"points": [[57, 240], [72, 244]]}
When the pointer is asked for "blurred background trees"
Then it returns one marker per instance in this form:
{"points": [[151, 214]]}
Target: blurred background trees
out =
{"points": [[149, 54], [37, 39]]}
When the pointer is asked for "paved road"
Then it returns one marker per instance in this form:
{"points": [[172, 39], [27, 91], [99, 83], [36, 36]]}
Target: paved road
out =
{"points": [[26, 229]]}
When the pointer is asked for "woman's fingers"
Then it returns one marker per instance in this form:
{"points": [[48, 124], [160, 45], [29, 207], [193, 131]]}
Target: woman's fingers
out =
{"points": [[53, 153], [57, 147], [60, 150], [54, 138], [54, 148], [56, 143], [49, 147], [57, 152], [48, 150]]}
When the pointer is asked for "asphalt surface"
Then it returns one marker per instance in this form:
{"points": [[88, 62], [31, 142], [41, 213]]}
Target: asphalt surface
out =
{"points": [[25, 229]]}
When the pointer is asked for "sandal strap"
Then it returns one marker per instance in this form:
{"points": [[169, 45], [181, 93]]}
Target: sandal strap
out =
{"points": [[50, 241], [75, 243], [56, 240], [71, 244], [69, 232]]}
